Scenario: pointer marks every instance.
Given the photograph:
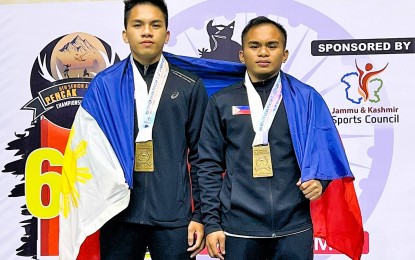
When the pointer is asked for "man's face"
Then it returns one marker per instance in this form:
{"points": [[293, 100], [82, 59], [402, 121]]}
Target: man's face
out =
{"points": [[146, 33], [263, 52]]}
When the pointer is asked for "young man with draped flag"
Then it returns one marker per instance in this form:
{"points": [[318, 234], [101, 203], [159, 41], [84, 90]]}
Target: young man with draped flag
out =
{"points": [[273, 171], [126, 164]]}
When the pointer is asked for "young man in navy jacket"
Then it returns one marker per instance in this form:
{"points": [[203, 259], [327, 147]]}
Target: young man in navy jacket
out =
{"points": [[255, 198], [159, 216]]}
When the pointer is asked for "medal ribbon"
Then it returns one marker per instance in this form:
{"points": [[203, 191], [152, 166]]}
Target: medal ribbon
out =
{"points": [[262, 117], [147, 102]]}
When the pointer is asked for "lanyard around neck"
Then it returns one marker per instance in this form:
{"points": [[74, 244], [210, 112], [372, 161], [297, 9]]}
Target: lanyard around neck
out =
{"points": [[147, 102], [262, 117]]}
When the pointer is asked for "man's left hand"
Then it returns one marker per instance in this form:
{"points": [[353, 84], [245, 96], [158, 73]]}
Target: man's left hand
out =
{"points": [[195, 238], [311, 189]]}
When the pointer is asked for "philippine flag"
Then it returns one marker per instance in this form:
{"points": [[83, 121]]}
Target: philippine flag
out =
{"points": [[93, 184], [241, 110]]}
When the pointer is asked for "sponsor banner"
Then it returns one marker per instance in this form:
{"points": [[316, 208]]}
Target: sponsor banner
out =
{"points": [[363, 47]]}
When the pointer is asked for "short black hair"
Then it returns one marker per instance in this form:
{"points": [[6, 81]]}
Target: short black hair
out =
{"points": [[129, 4], [263, 20]]}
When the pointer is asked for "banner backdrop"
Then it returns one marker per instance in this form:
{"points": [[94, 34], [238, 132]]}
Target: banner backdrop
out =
{"points": [[358, 54]]}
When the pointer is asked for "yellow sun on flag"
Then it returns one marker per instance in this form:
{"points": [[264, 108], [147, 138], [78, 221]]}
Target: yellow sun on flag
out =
{"points": [[71, 174]]}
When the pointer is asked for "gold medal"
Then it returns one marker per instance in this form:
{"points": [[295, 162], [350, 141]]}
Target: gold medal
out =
{"points": [[261, 160], [144, 159]]}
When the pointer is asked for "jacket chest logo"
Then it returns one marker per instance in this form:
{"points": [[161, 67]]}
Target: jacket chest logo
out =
{"points": [[174, 95]]}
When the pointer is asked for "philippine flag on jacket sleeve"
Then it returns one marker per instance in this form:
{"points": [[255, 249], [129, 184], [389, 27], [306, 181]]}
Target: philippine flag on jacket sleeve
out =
{"points": [[94, 188]]}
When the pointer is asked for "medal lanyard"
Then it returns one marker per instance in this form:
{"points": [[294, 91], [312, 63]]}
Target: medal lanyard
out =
{"points": [[262, 117], [147, 102]]}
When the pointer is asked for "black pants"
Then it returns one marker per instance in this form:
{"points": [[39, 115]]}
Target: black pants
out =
{"points": [[293, 247], [125, 241]]}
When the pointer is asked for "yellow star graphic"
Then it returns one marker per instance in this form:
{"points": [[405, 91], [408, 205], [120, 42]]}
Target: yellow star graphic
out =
{"points": [[71, 174]]}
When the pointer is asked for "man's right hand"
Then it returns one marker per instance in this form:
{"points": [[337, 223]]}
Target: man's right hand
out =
{"points": [[215, 243]]}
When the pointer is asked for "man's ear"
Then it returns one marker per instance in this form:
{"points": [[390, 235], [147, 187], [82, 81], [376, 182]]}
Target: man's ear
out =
{"points": [[167, 37], [285, 56], [124, 36], [241, 56]]}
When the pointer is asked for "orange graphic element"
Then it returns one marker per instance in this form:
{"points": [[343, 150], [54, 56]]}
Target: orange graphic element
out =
{"points": [[51, 136], [364, 78], [78, 55]]}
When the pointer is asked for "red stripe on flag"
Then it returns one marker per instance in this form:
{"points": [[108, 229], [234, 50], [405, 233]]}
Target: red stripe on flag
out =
{"points": [[337, 218]]}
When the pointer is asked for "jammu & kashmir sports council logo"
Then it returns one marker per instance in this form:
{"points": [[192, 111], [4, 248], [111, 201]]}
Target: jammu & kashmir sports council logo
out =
{"points": [[59, 78], [365, 87]]}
